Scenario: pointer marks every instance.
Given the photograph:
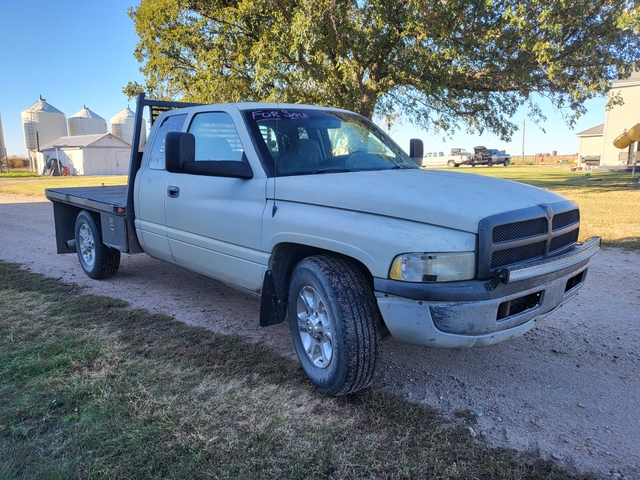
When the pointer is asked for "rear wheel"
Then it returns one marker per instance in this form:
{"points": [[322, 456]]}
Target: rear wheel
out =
{"points": [[451, 163], [97, 260], [335, 324]]}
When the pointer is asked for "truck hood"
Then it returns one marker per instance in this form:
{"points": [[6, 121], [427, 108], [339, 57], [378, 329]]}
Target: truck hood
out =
{"points": [[448, 199]]}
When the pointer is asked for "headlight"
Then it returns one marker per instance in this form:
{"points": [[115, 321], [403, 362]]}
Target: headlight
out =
{"points": [[434, 267]]}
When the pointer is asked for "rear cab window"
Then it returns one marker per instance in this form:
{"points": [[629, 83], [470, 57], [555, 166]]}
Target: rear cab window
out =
{"points": [[172, 123]]}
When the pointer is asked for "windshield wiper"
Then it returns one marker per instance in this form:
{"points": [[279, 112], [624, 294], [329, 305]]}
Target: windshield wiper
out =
{"points": [[334, 170], [401, 167]]}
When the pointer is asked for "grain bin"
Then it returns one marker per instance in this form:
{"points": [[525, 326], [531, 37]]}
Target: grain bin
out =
{"points": [[42, 123], [86, 122], [122, 126]]}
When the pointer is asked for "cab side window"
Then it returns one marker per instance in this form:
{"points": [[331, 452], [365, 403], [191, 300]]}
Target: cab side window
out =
{"points": [[216, 137], [174, 123]]}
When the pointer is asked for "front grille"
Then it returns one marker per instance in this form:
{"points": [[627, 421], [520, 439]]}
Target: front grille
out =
{"points": [[558, 243], [521, 236], [518, 230], [565, 219], [513, 255]]}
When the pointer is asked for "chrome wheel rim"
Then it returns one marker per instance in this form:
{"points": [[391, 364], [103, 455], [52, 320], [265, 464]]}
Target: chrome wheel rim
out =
{"points": [[314, 327], [87, 245]]}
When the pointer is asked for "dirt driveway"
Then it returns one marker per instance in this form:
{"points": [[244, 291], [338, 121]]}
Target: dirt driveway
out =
{"points": [[569, 389]]}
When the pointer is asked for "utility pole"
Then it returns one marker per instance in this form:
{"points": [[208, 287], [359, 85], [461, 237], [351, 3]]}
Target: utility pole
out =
{"points": [[524, 124]]}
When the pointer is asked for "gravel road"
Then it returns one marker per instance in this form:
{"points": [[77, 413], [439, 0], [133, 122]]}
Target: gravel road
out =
{"points": [[569, 389]]}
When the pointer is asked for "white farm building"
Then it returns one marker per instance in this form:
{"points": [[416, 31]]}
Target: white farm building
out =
{"points": [[98, 154], [596, 144]]}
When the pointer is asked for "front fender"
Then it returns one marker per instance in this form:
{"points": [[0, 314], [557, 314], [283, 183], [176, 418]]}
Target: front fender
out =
{"points": [[373, 240]]}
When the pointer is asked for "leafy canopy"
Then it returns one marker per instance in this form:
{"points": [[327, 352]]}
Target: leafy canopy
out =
{"points": [[443, 64]]}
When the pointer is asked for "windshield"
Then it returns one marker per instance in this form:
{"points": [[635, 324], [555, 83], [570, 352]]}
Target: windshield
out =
{"points": [[305, 141]]}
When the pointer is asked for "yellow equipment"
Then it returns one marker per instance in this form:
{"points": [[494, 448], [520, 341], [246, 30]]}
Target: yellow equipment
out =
{"points": [[628, 137]]}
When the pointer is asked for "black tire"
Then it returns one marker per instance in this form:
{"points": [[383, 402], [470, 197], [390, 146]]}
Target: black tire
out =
{"points": [[451, 163], [97, 260], [506, 163], [335, 324], [490, 163]]}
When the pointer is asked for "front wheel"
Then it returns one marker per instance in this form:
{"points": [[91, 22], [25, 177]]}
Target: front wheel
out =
{"points": [[506, 163], [97, 260], [335, 324]]}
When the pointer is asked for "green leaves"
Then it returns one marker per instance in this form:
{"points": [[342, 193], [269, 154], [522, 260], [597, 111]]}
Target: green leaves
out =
{"points": [[445, 64]]}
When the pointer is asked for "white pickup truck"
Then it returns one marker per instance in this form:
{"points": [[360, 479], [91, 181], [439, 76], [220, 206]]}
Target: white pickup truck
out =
{"points": [[320, 213]]}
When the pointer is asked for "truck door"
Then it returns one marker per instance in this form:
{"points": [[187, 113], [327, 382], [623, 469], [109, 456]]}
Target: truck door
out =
{"points": [[150, 193], [214, 222]]}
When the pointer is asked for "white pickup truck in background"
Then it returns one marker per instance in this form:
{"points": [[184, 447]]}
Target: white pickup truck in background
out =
{"points": [[318, 211]]}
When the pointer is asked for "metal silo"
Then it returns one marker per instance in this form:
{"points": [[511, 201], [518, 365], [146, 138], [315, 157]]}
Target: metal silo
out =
{"points": [[122, 126], [42, 124], [86, 122], [4, 159]]}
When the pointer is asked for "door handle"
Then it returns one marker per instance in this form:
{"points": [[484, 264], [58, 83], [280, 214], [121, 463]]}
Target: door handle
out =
{"points": [[173, 192]]}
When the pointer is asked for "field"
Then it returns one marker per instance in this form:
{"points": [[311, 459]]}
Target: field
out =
{"points": [[609, 201], [25, 183]]}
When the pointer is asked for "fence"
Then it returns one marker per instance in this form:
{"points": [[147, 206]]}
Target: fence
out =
{"points": [[544, 159]]}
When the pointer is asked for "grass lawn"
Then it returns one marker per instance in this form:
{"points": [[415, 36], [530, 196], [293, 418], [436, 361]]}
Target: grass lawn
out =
{"points": [[609, 201], [25, 183], [90, 389]]}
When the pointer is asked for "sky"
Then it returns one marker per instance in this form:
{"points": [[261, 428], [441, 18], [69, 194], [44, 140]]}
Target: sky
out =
{"points": [[80, 53]]}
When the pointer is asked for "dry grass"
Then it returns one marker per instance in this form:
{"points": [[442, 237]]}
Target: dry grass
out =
{"points": [[609, 201], [33, 185], [90, 389]]}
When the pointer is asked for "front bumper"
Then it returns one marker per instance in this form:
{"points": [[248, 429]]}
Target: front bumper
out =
{"points": [[466, 314]]}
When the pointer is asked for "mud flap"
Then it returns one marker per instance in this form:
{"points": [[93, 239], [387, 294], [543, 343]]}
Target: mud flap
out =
{"points": [[272, 308]]}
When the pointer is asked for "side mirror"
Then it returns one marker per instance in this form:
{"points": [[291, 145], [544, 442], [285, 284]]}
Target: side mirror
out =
{"points": [[219, 168], [416, 150], [179, 148]]}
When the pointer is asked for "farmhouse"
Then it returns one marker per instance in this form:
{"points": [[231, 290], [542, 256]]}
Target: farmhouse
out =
{"points": [[596, 143], [98, 154]]}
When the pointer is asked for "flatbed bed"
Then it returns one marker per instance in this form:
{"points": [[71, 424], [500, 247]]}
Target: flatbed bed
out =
{"points": [[111, 206], [109, 198]]}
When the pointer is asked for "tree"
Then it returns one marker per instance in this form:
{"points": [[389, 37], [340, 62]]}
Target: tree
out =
{"points": [[443, 63]]}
